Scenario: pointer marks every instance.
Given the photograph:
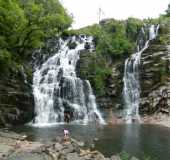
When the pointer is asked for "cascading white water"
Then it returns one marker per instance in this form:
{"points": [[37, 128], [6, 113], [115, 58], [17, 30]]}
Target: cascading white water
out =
{"points": [[131, 90], [57, 89]]}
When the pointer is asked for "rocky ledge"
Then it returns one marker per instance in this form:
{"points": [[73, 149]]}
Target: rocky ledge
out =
{"points": [[16, 147]]}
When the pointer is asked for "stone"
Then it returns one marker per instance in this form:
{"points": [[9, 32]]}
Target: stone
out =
{"points": [[58, 147], [67, 149], [96, 139], [73, 156], [30, 156], [97, 156], [79, 143], [4, 150], [115, 158], [134, 158], [165, 110]]}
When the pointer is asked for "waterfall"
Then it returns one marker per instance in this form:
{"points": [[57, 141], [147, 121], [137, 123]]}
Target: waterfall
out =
{"points": [[57, 89], [131, 90]]}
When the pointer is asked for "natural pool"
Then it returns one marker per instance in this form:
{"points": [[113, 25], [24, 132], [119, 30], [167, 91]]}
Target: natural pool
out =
{"points": [[138, 140]]}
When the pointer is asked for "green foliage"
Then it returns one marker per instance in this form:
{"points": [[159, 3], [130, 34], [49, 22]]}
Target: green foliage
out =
{"points": [[163, 40], [27, 24], [45, 19], [94, 30], [101, 72], [133, 27], [114, 46], [112, 37], [163, 70], [168, 11], [164, 30], [12, 20], [149, 158], [5, 60], [124, 156], [96, 70]]}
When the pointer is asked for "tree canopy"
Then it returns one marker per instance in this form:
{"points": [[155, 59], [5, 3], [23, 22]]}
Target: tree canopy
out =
{"points": [[25, 25]]}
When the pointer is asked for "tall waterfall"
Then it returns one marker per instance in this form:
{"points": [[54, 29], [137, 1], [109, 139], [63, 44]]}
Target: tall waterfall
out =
{"points": [[57, 89], [131, 90]]}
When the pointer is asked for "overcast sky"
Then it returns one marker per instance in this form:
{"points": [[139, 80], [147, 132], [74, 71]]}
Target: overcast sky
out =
{"points": [[85, 12]]}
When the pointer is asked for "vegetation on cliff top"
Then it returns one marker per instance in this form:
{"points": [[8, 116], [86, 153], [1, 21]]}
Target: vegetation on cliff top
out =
{"points": [[113, 38], [26, 25]]}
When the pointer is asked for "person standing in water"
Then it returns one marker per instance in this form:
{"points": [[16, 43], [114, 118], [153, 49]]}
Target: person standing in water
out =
{"points": [[67, 117]]}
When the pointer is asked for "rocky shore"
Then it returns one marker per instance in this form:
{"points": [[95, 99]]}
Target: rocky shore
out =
{"points": [[155, 119], [15, 147], [158, 119]]}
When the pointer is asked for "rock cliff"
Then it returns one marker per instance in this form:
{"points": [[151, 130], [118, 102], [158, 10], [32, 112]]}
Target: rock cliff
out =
{"points": [[155, 74], [16, 99]]}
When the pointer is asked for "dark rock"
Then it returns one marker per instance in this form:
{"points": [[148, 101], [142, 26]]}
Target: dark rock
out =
{"points": [[16, 99], [87, 46], [72, 45]]}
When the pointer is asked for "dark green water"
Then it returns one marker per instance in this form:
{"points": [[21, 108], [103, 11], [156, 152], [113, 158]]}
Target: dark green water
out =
{"points": [[137, 140]]}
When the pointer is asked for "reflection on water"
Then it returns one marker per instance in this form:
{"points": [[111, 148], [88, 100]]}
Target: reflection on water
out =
{"points": [[131, 139], [137, 140]]}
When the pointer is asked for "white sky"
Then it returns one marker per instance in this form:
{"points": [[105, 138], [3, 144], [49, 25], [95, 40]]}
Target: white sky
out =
{"points": [[85, 12]]}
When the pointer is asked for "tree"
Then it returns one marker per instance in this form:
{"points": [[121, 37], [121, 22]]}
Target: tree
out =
{"points": [[25, 25], [168, 11], [12, 21], [45, 19], [133, 26]]}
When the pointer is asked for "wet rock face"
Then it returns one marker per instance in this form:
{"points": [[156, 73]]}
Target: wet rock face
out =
{"points": [[16, 99], [155, 76]]}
